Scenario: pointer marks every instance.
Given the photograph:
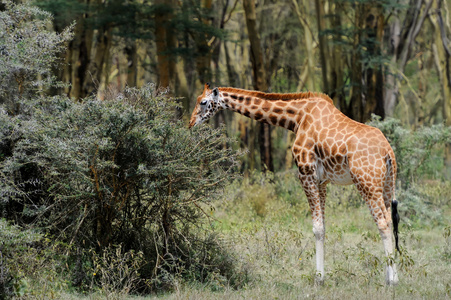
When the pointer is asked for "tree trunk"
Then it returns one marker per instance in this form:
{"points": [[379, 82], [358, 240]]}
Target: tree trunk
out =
{"points": [[356, 100], [323, 45], [232, 75], [165, 42], [140, 63], [204, 48], [309, 43], [78, 60], [442, 56], [182, 88], [136, 70], [100, 48], [103, 76], [402, 40], [256, 50], [259, 79], [132, 62], [337, 92], [374, 79]]}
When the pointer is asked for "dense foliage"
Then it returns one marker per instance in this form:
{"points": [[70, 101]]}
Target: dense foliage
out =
{"points": [[419, 153], [98, 175], [121, 171], [390, 58], [113, 193], [29, 50]]}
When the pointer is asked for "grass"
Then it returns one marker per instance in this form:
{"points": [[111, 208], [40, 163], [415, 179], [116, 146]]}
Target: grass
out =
{"points": [[266, 225]]}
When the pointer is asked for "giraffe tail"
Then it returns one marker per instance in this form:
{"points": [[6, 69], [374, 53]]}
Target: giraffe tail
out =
{"points": [[395, 218], [394, 204]]}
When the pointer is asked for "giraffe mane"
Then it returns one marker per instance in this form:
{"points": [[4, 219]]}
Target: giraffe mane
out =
{"points": [[277, 96]]}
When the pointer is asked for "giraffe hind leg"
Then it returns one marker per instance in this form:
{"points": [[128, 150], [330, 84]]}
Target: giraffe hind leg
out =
{"points": [[375, 200], [383, 224]]}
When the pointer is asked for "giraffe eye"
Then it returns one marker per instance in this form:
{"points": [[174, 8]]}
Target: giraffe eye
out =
{"points": [[203, 102]]}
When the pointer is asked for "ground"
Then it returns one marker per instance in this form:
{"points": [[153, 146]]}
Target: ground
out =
{"points": [[266, 224]]}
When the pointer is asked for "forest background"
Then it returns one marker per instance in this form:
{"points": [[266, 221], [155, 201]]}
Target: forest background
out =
{"points": [[389, 58], [104, 190]]}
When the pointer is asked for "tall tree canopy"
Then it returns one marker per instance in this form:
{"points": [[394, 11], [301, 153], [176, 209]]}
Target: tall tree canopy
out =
{"points": [[390, 58]]}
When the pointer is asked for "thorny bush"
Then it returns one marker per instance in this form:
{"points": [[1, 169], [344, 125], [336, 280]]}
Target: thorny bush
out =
{"points": [[121, 171]]}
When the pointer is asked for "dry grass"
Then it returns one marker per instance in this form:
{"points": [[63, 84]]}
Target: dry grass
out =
{"points": [[273, 238], [267, 226]]}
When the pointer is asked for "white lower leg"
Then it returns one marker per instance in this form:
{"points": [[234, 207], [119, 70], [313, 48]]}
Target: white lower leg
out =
{"points": [[391, 274], [320, 258], [319, 231]]}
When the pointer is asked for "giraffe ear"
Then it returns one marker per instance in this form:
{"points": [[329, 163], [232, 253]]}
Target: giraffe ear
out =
{"points": [[215, 92]]}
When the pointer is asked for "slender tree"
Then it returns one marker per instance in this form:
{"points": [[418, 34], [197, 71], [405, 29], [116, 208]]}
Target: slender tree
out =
{"points": [[323, 45], [402, 37], [165, 42], [442, 57], [309, 42], [259, 79]]}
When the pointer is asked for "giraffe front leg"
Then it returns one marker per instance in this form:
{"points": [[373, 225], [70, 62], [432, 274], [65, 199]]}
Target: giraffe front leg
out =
{"points": [[320, 233], [316, 197], [319, 230]]}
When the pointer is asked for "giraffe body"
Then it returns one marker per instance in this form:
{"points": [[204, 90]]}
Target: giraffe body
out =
{"points": [[329, 148]]}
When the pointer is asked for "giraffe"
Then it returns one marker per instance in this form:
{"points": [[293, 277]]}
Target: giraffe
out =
{"points": [[329, 147]]}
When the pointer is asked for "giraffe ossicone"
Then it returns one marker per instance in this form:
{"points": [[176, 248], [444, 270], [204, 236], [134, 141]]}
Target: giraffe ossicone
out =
{"points": [[329, 148]]}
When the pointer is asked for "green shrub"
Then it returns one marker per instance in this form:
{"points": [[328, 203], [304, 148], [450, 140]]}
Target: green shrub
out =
{"points": [[419, 153], [447, 246], [29, 50], [14, 254], [98, 174], [122, 171], [116, 272]]}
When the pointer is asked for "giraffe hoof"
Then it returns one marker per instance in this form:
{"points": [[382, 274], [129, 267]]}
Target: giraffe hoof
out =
{"points": [[393, 282], [391, 277], [319, 280]]}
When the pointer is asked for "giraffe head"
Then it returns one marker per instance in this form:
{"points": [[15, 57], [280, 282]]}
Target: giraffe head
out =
{"points": [[206, 107]]}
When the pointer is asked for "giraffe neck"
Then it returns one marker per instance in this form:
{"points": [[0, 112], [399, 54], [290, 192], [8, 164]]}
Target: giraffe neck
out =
{"points": [[284, 110]]}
